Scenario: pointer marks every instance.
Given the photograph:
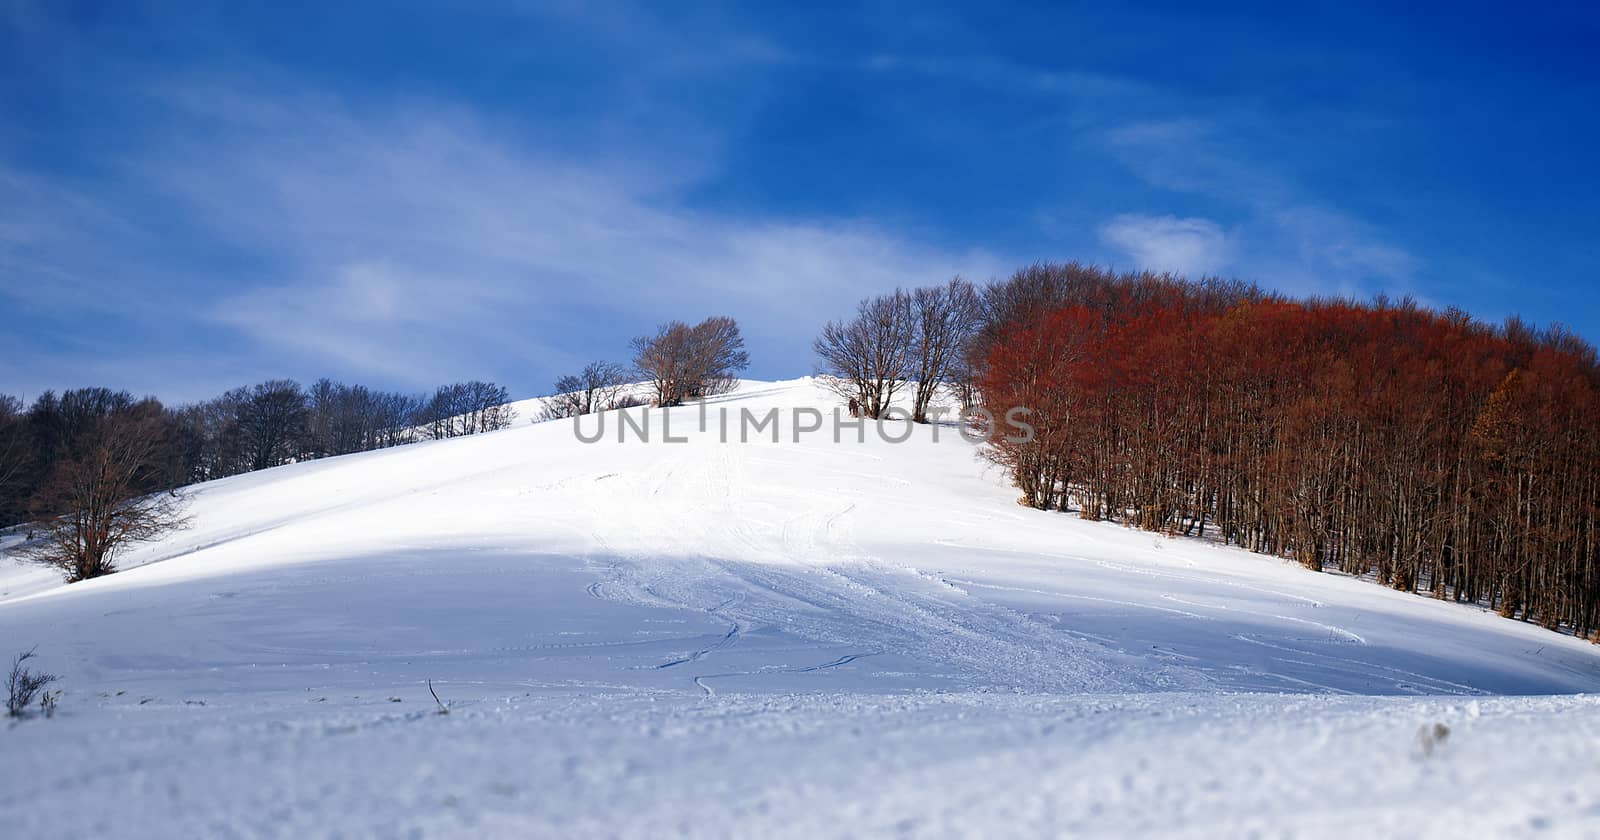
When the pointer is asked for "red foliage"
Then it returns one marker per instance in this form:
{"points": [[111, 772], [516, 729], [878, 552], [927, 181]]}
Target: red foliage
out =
{"points": [[1433, 452]]}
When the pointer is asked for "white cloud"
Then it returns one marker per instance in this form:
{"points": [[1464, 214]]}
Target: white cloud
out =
{"points": [[1343, 244], [1188, 246], [420, 244]]}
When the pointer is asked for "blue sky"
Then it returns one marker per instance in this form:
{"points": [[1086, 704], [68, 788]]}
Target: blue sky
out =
{"points": [[194, 197]]}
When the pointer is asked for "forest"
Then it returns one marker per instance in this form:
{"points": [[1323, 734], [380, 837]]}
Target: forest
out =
{"points": [[1432, 452], [49, 447]]}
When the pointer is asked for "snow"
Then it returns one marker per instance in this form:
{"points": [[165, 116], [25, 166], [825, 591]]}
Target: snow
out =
{"points": [[801, 638]]}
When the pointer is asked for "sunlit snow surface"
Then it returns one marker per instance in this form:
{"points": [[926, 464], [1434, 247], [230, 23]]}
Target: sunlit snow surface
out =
{"points": [[759, 639]]}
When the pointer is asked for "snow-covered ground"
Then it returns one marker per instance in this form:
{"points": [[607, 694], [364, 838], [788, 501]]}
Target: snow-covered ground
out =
{"points": [[810, 638]]}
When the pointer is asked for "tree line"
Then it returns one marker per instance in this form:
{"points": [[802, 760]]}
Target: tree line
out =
{"points": [[1438, 454], [91, 467], [678, 362]]}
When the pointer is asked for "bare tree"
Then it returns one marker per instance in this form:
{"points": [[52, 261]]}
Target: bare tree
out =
{"points": [[272, 423], [487, 407], [962, 376], [595, 388], [465, 408], [571, 399], [212, 427], [327, 407], [866, 359], [944, 318], [684, 362], [662, 359], [109, 495], [437, 415], [394, 413], [716, 355]]}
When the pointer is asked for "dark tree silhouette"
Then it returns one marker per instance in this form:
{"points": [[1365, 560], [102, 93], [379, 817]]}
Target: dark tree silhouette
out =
{"points": [[465, 408], [272, 423], [15, 455], [943, 319], [595, 388]]}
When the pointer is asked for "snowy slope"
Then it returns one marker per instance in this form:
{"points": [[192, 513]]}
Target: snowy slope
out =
{"points": [[744, 639]]}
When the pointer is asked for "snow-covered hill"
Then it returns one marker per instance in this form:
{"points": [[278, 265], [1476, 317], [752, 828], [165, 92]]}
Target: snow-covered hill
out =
{"points": [[753, 639]]}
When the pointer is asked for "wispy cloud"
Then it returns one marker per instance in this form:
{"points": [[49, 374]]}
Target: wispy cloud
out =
{"points": [[1191, 246], [418, 243], [1217, 197], [1278, 235]]}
